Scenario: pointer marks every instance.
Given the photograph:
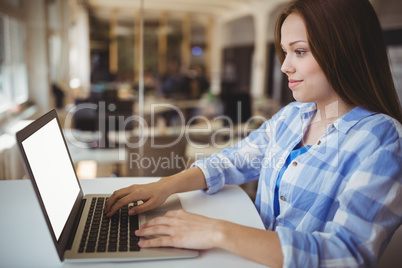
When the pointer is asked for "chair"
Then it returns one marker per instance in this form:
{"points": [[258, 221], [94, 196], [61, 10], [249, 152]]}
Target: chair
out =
{"points": [[162, 156], [392, 256], [112, 115], [237, 107]]}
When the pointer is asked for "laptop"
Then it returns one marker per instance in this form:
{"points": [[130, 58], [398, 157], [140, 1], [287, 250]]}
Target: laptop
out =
{"points": [[80, 230]]}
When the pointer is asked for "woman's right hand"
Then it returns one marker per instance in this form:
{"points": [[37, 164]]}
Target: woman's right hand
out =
{"points": [[155, 194], [152, 195]]}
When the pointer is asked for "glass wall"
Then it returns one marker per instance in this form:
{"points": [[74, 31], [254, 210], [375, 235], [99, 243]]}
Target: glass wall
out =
{"points": [[13, 71]]}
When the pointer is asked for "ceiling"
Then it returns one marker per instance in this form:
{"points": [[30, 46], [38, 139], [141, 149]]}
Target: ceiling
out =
{"points": [[175, 8], [388, 10]]}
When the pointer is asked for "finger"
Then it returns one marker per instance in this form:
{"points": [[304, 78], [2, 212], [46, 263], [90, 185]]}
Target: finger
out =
{"points": [[165, 241], [109, 202], [147, 205], [158, 221], [114, 197], [175, 213], [110, 207], [118, 205], [155, 231]]}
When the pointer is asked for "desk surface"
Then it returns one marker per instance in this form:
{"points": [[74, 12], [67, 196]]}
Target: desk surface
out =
{"points": [[22, 224]]}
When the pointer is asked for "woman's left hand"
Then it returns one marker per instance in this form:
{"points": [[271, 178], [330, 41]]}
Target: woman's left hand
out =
{"points": [[181, 229]]}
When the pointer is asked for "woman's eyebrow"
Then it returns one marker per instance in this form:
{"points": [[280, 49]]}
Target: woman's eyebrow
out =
{"points": [[295, 42]]}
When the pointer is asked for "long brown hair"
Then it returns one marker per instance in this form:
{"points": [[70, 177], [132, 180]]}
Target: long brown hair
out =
{"points": [[346, 39]]}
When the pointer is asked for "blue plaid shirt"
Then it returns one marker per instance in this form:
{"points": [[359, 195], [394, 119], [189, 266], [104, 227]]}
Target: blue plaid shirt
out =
{"points": [[340, 202]]}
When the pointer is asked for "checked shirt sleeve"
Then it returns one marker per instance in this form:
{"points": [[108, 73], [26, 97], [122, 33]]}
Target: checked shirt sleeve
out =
{"points": [[236, 165]]}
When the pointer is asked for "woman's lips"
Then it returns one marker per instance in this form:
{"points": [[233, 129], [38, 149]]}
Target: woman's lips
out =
{"points": [[293, 83]]}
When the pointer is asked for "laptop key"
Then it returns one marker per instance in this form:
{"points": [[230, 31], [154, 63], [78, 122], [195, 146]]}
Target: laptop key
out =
{"points": [[90, 249], [112, 248], [134, 248], [103, 234], [101, 249]]}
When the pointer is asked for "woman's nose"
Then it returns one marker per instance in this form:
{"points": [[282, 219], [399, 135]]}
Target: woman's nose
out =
{"points": [[287, 66]]}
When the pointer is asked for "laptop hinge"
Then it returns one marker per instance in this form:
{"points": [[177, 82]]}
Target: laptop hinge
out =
{"points": [[75, 226]]}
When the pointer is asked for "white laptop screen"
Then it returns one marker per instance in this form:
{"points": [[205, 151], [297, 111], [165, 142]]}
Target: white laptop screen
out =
{"points": [[53, 172]]}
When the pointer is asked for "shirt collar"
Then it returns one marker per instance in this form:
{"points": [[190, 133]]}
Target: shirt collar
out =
{"points": [[307, 110], [343, 123], [350, 119]]}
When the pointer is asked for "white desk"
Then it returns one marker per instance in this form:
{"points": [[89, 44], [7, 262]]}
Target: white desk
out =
{"points": [[25, 240]]}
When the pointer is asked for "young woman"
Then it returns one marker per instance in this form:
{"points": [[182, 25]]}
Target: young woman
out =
{"points": [[329, 165]]}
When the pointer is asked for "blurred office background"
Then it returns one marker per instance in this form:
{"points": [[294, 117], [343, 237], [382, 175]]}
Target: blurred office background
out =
{"points": [[207, 58]]}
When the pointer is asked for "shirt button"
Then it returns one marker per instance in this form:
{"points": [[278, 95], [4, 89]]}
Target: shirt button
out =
{"points": [[294, 163], [282, 198], [319, 142]]}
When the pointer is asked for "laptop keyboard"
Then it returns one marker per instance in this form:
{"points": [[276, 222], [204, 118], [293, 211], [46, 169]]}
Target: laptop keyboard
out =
{"points": [[114, 234]]}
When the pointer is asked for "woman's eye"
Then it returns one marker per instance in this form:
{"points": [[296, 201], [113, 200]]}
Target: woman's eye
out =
{"points": [[300, 52], [284, 53]]}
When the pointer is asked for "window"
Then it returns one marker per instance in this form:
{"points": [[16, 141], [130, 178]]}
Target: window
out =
{"points": [[13, 73]]}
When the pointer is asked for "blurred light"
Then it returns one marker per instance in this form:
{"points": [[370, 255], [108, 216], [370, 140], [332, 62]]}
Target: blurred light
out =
{"points": [[75, 83], [197, 51]]}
